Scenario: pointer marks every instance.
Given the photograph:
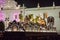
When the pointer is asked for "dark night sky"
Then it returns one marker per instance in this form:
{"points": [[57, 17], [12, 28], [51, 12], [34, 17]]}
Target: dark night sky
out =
{"points": [[33, 3]]}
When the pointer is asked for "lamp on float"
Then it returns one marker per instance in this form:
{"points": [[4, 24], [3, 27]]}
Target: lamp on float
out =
{"points": [[53, 6], [38, 6]]}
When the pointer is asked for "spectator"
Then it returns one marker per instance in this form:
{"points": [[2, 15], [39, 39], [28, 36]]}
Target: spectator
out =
{"points": [[2, 26]]}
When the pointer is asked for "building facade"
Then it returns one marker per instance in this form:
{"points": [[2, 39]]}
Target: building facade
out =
{"points": [[10, 9]]}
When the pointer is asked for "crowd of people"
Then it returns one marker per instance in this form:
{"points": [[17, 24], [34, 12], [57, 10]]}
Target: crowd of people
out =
{"points": [[29, 23]]}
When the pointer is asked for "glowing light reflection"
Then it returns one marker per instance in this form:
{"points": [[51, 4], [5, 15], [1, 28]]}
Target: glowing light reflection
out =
{"points": [[2, 16], [16, 16], [2, 2]]}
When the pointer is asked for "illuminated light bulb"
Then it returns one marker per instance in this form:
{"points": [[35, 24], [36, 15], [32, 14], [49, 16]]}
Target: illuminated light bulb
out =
{"points": [[15, 16], [2, 2], [53, 4], [38, 6]]}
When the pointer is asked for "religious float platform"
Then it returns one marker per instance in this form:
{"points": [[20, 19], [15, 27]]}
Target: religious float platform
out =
{"points": [[10, 12]]}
